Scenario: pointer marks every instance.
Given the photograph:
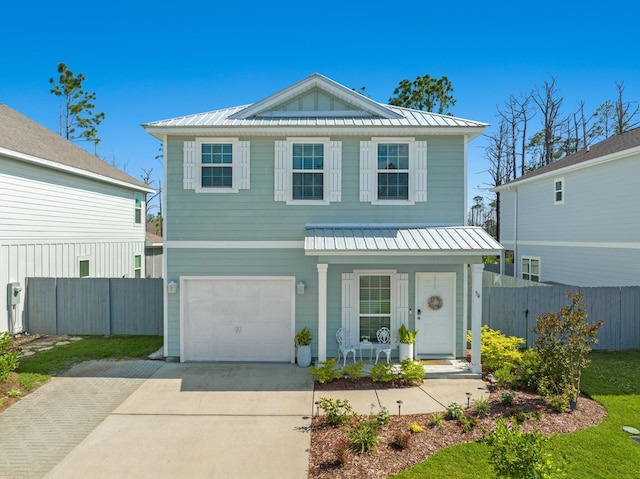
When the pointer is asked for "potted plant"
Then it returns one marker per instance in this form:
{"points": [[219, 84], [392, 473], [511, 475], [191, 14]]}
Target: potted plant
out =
{"points": [[407, 338], [302, 341]]}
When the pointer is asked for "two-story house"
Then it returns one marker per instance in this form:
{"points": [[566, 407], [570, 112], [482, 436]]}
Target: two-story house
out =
{"points": [[575, 221], [64, 213], [318, 207]]}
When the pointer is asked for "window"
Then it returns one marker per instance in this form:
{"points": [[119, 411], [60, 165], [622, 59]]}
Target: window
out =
{"points": [[216, 169], [558, 191], [375, 304], [84, 268], [393, 171], [531, 269], [308, 174], [138, 208], [307, 171], [137, 270], [220, 165]]}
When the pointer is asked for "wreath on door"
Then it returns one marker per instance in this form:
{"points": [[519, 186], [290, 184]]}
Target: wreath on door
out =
{"points": [[434, 303]]}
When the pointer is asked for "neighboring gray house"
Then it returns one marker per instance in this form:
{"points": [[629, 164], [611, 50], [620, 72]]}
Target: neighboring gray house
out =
{"points": [[576, 221], [63, 213], [318, 207]]}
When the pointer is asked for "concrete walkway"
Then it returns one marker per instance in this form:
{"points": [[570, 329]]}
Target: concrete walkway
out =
{"points": [[149, 419]]}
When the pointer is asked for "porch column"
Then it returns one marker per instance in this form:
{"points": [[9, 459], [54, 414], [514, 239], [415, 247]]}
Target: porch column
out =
{"points": [[322, 311], [476, 316]]}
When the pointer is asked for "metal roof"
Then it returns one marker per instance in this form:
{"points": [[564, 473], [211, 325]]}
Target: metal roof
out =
{"points": [[408, 117], [399, 240]]}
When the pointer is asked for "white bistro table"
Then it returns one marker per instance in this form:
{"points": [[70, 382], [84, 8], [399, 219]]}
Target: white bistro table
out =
{"points": [[366, 345]]}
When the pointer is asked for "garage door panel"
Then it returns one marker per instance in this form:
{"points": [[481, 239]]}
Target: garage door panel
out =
{"points": [[230, 319]]}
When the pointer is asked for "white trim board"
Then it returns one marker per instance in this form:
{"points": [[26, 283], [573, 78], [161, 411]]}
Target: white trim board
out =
{"points": [[234, 244], [576, 244]]}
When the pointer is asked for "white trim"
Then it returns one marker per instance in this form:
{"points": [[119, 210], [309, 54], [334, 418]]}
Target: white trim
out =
{"points": [[322, 311], [465, 178], [476, 316], [84, 258], [237, 150], [561, 190], [577, 244], [392, 252], [530, 259], [394, 314], [234, 244], [326, 166], [165, 263], [72, 170]]}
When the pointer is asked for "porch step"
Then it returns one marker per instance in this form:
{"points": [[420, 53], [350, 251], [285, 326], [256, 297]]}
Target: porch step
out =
{"points": [[452, 375]]}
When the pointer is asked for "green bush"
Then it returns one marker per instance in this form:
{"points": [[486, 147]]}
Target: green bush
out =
{"points": [[518, 455], [326, 371], [337, 411], [482, 407], [354, 371], [383, 372], [527, 374], [383, 417], [9, 358], [364, 435], [454, 411], [504, 376], [498, 350], [436, 420], [412, 371], [506, 398]]}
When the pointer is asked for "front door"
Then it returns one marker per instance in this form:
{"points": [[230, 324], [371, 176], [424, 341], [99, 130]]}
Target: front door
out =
{"points": [[435, 314]]}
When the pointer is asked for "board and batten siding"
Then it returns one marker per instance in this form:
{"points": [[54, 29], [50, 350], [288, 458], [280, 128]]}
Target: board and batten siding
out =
{"points": [[253, 214], [592, 238], [50, 220]]}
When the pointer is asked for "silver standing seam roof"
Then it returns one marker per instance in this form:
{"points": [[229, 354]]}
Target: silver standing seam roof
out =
{"points": [[467, 240]]}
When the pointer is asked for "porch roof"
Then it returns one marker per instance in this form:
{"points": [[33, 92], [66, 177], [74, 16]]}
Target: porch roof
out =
{"points": [[399, 240]]}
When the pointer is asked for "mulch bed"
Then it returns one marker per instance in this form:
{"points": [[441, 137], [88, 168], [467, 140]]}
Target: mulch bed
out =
{"points": [[387, 460]]}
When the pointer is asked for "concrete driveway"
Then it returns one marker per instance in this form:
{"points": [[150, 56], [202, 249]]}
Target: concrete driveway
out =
{"points": [[203, 420]]}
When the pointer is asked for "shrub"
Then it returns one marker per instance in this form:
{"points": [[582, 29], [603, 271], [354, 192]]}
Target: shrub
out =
{"points": [[529, 370], [563, 344], [436, 420], [336, 410], [364, 435], [415, 428], [453, 411], [559, 402], [383, 372], [383, 417], [401, 441], [498, 350], [518, 455], [412, 371], [482, 407], [342, 449], [467, 423], [9, 358], [326, 371], [504, 376], [354, 371], [14, 393], [518, 414], [506, 398]]}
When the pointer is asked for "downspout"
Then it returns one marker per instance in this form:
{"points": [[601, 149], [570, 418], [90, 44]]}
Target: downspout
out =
{"points": [[515, 232]]}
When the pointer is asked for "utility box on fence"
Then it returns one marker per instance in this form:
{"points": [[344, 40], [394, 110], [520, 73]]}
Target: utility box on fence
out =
{"points": [[13, 293]]}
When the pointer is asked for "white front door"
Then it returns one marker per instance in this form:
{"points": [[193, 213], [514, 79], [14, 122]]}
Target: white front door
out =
{"points": [[435, 313]]}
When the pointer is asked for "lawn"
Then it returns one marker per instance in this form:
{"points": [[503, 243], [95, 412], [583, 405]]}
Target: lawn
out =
{"points": [[604, 451], [35, 370]]}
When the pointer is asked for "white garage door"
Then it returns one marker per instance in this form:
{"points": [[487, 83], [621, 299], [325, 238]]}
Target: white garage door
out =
{"points": [[237, 319]]}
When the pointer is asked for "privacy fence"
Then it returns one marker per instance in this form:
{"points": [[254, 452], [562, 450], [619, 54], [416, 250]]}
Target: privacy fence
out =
{"points": [[513, 311], [103, 306]]}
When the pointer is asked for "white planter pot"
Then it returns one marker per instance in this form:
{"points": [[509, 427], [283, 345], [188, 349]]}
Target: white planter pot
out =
{"points": [[304, 356], [405, 351]]}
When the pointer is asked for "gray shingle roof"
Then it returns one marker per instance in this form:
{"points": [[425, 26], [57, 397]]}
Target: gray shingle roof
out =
{"points": [[22, 135]]}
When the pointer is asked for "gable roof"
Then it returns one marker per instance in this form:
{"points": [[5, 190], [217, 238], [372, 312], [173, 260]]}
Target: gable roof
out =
{"points": [[605, 149], [358, 112], [24, 139]]}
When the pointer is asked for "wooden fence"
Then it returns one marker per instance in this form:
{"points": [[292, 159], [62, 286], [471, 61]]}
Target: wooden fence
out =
{"points": [[513, 311], [102, 306]]}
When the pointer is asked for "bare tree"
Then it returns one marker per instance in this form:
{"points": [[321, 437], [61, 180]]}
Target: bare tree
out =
{"points": [[549, 105], [623, 113]]}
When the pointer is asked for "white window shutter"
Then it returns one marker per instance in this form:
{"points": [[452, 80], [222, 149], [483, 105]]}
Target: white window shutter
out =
{"points": [[402, 300], [189, 165], [367, 171], [334, 167], [281, 172], [349, 310], [242, 166], [420, 171]]}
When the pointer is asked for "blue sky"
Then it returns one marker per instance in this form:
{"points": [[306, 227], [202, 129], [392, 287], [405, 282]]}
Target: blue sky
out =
{"points": [[154, 60]]}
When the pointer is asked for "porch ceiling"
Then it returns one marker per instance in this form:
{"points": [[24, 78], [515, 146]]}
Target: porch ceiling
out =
{"points": [[399, 240]]}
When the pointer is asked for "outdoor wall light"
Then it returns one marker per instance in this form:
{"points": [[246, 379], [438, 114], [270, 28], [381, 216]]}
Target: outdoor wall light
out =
{"points": [[300, 287], [172, 287]]}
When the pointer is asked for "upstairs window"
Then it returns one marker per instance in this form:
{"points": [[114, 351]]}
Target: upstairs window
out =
{"points": [[137, 215], [83, 266], [393, 171], [137, 270], [308, 171], [531, 269], [558, 191], [216, 165]]}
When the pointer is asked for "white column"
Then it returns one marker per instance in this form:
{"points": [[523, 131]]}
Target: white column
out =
{"points": [[322, 311], [476, 316]]}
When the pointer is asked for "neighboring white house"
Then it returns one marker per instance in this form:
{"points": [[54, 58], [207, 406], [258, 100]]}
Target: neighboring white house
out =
{"points": [[63, 213], [577, 220]]}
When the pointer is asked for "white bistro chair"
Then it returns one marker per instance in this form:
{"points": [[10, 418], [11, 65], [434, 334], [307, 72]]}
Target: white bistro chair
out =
{"points": [[344, 346], [384, 343]]}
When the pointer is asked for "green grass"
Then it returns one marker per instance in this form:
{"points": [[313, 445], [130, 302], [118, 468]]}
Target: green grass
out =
{"points": [[61, 358], [603, 451]]}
